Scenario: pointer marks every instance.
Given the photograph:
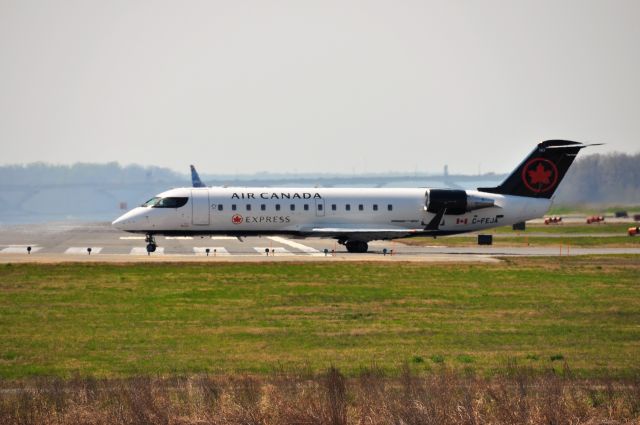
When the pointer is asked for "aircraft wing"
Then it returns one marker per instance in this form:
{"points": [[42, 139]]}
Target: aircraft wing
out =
{"points": [[362, 230], [366, 233]]}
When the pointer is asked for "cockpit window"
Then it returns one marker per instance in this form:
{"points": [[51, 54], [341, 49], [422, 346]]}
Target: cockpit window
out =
{"points": [[151, 202], [172, 202]]}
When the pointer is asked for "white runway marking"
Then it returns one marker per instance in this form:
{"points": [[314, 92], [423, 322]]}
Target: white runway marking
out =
{"points": [[223, 238], [219, 251], [132, 238], [278, 250], [20, 249], [179, 237], [79, 250], [139, 250], [304, 248]]}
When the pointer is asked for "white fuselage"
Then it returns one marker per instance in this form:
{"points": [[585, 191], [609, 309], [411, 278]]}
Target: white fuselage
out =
{"points": [[363, 214]]}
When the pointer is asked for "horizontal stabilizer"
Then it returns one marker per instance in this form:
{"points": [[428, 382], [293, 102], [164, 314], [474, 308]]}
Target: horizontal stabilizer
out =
{"points": [[581, 145]]}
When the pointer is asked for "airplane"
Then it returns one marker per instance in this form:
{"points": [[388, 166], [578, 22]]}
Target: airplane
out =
{"points": [[356, 216]]}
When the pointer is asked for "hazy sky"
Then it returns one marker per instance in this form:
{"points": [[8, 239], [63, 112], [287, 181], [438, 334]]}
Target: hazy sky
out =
{"points": [[315, 86]]}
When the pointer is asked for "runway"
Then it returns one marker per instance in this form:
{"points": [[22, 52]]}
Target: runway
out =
{"points": [[60, 242]]}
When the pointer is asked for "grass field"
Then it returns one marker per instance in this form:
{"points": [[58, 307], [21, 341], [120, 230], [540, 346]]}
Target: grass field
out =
{"points": [[592, 209], [119, 320], [442, 397], [531, 240], [605, 235], [613, 229]]}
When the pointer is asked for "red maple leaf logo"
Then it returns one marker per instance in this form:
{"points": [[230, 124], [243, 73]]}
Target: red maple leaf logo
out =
{"points": [[539, 175], [236, 219]]}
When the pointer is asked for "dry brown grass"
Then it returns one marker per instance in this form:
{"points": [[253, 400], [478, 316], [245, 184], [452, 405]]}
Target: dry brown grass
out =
{"points": [[518, 396]]}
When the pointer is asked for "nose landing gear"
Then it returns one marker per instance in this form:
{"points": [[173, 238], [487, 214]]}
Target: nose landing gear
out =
{"points": [[151, 243]]}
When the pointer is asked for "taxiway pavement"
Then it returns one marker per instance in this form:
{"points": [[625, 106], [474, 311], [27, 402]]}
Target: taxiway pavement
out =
{"points": [[58, 242]]}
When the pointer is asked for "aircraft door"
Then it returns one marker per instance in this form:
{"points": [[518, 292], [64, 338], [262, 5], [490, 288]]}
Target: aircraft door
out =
{"points": [[319, 207], [200, 207], [425, 212]]}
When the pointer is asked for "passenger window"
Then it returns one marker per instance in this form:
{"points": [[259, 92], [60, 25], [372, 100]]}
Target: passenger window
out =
{"points": [[389, 207], [334, 207], [263, 207], [306, 207], [233, 207], [248, 207], [277, 207], [292, 207], [319, 207], [219, 207], [347, 207], [361, 207], [375, 207]]}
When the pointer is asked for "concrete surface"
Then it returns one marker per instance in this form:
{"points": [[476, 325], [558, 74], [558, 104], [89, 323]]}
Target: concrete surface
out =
{"points": [[56, 242]]}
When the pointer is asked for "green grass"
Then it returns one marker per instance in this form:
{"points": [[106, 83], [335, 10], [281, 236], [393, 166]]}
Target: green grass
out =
{"points": [[119, 320], [592, 209], [534, 241], [568, 229], [579, 235]]}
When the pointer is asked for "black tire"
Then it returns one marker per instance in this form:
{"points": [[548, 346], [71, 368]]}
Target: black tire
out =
{"points": [[151, 247], [358, 247]]}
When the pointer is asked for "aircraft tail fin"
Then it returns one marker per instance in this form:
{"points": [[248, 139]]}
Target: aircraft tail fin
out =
{"points": [[539, 175], [195, 178]]}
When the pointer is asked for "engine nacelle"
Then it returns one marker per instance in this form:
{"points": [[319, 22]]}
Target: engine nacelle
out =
{"points": [[455, 202]]}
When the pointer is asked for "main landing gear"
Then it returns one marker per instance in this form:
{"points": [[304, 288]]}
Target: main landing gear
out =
{"points": [[151, 242], [359, 247]]}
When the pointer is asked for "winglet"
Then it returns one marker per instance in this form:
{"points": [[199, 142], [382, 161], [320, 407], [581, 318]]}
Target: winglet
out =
{"points": [[195, 178]]}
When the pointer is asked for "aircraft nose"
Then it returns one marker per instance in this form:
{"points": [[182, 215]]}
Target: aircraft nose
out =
{"points": [[118, 223], [125, 221]]}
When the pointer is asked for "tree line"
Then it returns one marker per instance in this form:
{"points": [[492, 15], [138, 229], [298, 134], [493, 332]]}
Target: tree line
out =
{"points": [[602, 179]]}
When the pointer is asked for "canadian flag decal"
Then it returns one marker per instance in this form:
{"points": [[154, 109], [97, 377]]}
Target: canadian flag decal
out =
{"points": [[461, 221]]}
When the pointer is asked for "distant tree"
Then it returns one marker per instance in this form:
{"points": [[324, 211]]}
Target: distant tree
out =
{"points": [[40, 173], [602, 178]]}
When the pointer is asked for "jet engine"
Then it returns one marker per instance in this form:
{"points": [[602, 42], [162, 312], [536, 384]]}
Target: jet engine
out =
{"points": [[455, 202]]}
